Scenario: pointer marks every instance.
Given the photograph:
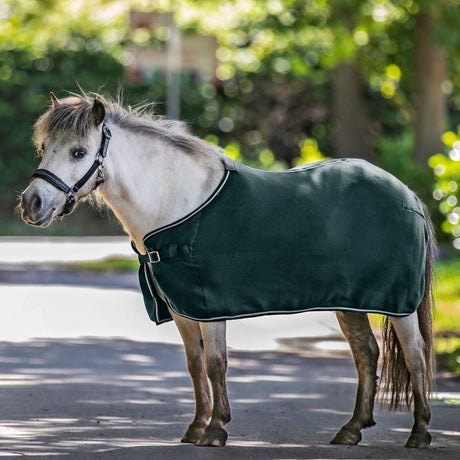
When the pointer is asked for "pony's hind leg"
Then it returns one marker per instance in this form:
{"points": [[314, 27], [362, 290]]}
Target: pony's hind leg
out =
{"points": [[413, 347], [215, 351], [191, 335], [364, 348]]}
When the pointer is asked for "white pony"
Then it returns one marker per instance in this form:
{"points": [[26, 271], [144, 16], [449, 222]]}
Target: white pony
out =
{"points": [[151, 173]]}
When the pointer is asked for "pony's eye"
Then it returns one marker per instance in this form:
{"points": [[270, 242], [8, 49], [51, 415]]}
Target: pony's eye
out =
{"points": [[78, 154]]}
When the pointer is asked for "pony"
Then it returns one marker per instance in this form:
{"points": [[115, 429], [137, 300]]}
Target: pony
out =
{"points": [[152, 172]]}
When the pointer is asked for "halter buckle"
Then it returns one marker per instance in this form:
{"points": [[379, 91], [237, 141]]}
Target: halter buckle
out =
{"points": [[69, 204], [100, 176], [106, 131], [154, 257]]}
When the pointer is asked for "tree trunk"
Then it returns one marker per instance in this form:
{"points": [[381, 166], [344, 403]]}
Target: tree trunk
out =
{"points": [[351, 124], [430, 100]]}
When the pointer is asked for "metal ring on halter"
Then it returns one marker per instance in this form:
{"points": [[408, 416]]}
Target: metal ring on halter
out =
{"points": [[71, 192]]}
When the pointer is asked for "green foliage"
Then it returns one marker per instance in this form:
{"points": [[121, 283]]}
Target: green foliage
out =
{"points": [[40, 26], [307, 39], [446, 169], [394, 153], [309, 152], [447, 286], [269, 105], [448, 355]]}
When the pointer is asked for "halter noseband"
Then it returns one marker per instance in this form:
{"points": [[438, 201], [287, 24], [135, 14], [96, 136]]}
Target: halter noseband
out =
{"points": [[70, 192]]}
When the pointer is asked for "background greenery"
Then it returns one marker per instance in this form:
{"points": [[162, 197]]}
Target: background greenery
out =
{"points": [[296, 80]]}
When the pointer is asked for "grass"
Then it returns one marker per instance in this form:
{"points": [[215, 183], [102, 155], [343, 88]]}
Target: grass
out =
{"points": [[111, 265], [448, 353], [447, 315]]}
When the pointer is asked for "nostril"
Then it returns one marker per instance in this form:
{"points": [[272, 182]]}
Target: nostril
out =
{"points": [[35, 203], [34, 206]]}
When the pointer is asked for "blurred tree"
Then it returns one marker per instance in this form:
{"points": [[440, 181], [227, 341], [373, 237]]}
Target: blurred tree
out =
{"points": [[350, 123], [351, 126], [363, 49], [430, 103]]}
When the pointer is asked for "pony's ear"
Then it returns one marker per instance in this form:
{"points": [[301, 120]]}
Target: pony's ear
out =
{"points": [[54, 99], [98, 112]]}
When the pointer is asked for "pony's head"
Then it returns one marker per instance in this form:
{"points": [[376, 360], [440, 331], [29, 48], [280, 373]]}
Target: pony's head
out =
{"points": [[70, 136]]}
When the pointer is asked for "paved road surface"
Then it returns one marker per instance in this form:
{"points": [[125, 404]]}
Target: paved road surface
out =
{"points": [[119, 399], [85, 375]]}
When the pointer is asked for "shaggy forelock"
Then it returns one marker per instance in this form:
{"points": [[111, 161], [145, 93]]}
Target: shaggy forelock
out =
{"points": [[73, 115]]}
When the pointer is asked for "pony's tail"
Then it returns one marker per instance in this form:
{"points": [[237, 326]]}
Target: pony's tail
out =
{"points": [[395, 378]]}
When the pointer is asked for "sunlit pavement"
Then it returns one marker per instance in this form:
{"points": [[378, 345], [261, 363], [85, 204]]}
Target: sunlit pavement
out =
{"points": [[85, 374], [19, 250]]}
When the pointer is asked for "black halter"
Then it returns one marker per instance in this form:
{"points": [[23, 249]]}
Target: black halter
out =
{"points": [[98, 166]]}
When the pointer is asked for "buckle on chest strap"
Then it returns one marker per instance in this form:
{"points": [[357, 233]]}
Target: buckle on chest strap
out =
{"points": [[154, 257]]}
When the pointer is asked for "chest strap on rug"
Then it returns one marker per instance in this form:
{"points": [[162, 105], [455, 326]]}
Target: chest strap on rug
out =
{"points": [[167, 254]]}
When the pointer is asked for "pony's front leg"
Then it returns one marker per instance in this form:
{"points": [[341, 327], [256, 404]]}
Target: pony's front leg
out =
{"points": [[191, 335], [215, 351]]}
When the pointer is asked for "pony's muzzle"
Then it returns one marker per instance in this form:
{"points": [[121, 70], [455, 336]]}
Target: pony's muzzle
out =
{"points": [[37, 208]]}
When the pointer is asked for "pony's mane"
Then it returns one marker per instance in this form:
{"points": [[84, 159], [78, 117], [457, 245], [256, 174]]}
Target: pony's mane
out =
{"points": [[73, 114]]}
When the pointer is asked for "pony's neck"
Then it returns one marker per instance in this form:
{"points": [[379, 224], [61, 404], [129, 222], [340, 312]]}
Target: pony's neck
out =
{"points": [[150, 183]]}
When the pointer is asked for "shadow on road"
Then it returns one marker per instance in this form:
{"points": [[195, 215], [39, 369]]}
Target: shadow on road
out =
{"points": [[93, 398]]}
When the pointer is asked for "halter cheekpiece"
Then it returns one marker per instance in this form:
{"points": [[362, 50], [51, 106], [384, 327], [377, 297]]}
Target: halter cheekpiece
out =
{"points": [[70, 192]]}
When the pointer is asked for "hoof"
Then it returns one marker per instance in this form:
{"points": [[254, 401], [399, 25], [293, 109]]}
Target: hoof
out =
{"points": [[421, 441], [193, 434], [347, 437], [214, 437]]}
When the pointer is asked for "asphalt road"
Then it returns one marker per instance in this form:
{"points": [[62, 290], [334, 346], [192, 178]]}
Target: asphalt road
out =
{"points": [[63, 394], [116, 399]]}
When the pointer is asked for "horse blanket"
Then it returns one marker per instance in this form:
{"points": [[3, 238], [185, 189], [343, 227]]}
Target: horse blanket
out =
{"points": [[333, 235]]}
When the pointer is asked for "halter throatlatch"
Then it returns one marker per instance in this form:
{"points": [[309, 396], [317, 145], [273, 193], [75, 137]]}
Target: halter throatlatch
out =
{"points": [[70, 192]]}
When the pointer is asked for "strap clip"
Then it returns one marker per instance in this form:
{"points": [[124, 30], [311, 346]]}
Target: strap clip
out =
{"points": [[154, 257]]}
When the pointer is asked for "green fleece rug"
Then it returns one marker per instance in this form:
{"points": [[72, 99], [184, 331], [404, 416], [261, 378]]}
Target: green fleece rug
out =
{"points": [[333, 235]]}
